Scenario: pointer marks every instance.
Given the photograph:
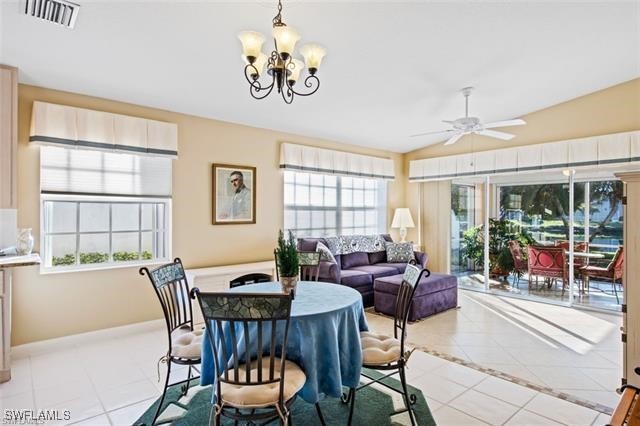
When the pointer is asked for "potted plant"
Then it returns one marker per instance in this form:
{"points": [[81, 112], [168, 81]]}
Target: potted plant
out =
{"points": [[500, 233], [288, 263]]}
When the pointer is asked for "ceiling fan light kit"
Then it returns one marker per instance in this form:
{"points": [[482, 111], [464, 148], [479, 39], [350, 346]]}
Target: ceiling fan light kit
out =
{"points": [[284, 69], [467, 125]]}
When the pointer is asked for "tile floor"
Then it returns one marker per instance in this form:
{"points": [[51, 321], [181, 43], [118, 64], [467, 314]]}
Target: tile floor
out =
{"points": [[600, 295], [109, 378], [572, 351]]}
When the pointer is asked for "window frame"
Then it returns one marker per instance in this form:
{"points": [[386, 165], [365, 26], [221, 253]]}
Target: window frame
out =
{"points": [[381, 205], [106, 199]]}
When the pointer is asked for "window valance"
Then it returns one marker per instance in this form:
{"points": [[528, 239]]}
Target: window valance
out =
{"points": [[327, 161], [595, 151], [63, 125]]}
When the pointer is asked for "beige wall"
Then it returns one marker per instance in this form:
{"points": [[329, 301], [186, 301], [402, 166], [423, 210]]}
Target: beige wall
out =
{"points": [[436, 224], [47, 306], [612, 110]]}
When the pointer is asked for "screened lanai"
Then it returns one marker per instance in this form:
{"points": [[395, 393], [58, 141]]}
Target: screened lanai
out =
{"points": [[543, 222]]}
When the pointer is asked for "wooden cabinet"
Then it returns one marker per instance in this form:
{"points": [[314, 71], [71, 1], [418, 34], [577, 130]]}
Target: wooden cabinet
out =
{"points": [[631, 278], [8, 136]]}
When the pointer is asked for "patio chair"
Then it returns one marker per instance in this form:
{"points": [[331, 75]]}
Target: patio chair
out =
{"points": [[578, 262], [549, 263], [520, 265], [245, 331], [170, 284], [382, 352], [612, 272]]}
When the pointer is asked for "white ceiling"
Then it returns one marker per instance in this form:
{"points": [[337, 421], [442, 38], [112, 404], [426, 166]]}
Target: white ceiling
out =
{"points": [[393, 68]]}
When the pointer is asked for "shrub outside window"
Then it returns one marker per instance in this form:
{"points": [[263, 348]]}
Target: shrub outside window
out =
{"points": [[81, 233]]}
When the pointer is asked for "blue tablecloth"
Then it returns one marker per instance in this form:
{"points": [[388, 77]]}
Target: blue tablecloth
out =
{"points": [[324, 337]]}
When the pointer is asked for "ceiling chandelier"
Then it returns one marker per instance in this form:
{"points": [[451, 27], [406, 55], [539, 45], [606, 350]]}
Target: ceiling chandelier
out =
{"points": [[283, 68]]}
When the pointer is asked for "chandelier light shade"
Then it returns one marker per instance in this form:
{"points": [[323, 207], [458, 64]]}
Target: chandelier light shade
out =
{"points": [[251, 43], [283, 69]]}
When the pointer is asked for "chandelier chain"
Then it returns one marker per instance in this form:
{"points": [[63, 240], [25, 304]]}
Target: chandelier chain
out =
{"points": [[277, 20]]}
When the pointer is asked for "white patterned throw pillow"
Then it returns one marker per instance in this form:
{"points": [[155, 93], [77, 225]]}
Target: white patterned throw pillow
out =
{"points": [[399, 252], [325, 253]]}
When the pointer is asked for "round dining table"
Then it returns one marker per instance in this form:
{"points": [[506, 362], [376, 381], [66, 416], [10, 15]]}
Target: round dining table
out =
{"points": [[324, 337]]}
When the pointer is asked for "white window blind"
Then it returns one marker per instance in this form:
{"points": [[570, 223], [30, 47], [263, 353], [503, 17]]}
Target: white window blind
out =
{"points": [[321, 205], [95, 172]]}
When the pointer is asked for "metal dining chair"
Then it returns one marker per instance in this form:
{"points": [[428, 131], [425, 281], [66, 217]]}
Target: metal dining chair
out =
{"points": [[309, 265], [170, 284], [382, 352], [250, 279], [245, 331]]}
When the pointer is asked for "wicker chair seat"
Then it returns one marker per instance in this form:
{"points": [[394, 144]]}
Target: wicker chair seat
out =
{"points": [[379, 349], [263, 395]]}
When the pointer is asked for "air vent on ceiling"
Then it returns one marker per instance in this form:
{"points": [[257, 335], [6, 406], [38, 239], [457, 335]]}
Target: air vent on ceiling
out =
{"points": [[59, 12]]}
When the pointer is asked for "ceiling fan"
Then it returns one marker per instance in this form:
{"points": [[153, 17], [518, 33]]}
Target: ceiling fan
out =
{"points": [[466, 125]]}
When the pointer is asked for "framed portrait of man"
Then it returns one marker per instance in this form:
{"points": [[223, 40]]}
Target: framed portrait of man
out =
{"points": [[234, 194]]}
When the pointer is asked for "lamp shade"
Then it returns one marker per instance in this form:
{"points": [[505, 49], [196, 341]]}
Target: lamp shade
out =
{"points": [[251, 43], [259, 64], [295, 71], [313, 55], [286, 39], [402, 218]]}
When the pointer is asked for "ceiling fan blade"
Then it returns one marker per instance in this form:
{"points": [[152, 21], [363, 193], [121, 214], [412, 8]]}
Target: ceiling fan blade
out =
{"points": [[454, 139], [505, 123], [495, 134], [432, 133], [448, 121]]}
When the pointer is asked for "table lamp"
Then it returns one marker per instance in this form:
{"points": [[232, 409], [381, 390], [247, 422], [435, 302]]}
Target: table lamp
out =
{"points": [[402, 219]]}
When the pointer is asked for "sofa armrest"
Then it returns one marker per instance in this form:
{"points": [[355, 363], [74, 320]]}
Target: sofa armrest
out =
{"points": [[329, 272], [421, 258]]}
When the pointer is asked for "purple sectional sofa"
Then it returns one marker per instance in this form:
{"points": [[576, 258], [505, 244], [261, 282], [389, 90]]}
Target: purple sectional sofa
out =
{"points": [[358, 270]]}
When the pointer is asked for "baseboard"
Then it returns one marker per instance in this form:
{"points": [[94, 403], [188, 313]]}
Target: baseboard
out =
{"points": [[47, 346]]}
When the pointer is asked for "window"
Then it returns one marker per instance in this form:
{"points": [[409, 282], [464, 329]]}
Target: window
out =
{"points": [[462, 219], [543, 211], [324, 205], [103, 209]]}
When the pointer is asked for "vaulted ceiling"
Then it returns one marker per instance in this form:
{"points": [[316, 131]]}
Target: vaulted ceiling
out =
{"points": [[393, 68]]}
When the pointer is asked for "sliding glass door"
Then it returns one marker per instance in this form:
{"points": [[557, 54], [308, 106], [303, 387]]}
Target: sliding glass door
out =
{"points": [[534, 220]]}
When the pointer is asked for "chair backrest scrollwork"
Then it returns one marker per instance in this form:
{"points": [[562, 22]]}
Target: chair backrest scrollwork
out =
{"points": [[171, 286], [410, 281]]}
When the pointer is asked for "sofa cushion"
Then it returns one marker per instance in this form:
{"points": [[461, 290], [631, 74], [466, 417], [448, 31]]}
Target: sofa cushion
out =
{"points": [[354, 278], [432, 284], [354, 259], [377, 257], [377, 270], [308, 244], [399, 252], [400, 266]]}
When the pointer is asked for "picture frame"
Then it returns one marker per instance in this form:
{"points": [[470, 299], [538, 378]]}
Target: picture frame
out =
{"points": [[233, 194]]}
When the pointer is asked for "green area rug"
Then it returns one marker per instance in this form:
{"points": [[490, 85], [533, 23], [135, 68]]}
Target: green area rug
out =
{"points": [[374, 406]]}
